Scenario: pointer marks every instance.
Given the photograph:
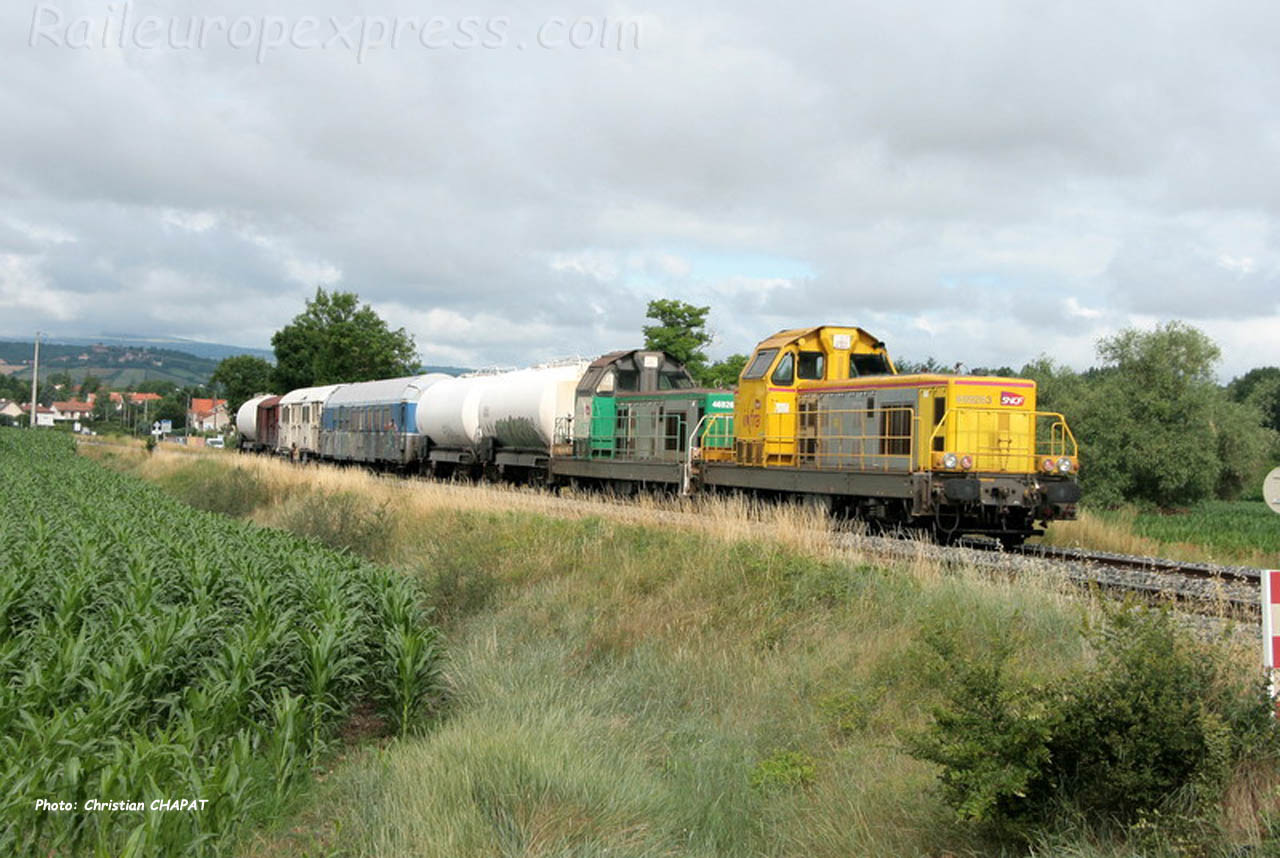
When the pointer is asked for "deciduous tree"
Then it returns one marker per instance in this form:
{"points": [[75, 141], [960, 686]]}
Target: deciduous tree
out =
{"points": [[240, 378], [1152, 423], [724, 373], [681, 332], [336, 339]]}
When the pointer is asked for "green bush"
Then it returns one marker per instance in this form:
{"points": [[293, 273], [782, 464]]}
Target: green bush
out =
{"points": [[1152, 730], [344, 521], [784, 770], [212, 487], [991, 737]]}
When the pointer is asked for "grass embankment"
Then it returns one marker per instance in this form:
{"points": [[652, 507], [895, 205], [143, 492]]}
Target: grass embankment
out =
{"points": [[647, 684], [1243, 532]]}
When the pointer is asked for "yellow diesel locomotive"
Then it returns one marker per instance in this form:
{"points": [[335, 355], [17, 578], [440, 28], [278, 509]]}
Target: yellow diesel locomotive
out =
{"points": [[822, 412]]}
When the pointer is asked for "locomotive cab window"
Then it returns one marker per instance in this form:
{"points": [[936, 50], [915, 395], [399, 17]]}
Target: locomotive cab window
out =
{"points": [[785, 374], [760, 363], [869, 364], [628, 380], [674, 381], [812, 366], [606, 384]]}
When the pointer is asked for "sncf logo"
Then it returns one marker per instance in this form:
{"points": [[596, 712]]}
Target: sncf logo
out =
{"points": [[1007, 398]]}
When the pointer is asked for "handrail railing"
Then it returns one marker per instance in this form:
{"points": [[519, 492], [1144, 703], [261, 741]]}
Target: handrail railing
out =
{"points": [[1007, 448]]}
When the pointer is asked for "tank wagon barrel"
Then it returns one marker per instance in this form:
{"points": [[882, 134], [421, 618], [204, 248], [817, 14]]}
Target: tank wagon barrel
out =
{"points": [[247, 418], [504, 421]]}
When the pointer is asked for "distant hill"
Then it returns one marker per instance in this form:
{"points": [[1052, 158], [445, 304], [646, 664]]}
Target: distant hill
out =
{"points": [[118, 366], [122, 360], [211, 351]]}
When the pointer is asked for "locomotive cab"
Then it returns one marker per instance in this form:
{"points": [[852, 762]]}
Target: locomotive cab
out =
{"points": [[641, 404], [784, 365]]}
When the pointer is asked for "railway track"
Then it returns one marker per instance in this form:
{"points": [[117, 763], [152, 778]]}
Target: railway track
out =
{"points": [[1200, 587]]}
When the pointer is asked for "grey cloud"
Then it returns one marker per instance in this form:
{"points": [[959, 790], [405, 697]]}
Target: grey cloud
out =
{"points": [[918, 158]]}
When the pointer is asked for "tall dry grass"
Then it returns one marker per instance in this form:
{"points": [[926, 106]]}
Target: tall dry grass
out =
{"points": [[664, 677]]}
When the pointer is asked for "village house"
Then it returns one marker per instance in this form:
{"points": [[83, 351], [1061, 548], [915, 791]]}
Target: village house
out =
{"points": [[10, 409], [72, 410], [44, 416], [208, 415]]}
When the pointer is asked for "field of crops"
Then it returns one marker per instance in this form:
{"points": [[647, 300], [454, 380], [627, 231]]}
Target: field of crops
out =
{"points": [[1226, 526], [150, 652]]}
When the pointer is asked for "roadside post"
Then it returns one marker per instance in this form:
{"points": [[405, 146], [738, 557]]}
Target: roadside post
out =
{"points": [[1271, 595]]}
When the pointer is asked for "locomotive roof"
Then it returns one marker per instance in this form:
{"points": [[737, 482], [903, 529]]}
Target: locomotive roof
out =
{"points": [[782, 338], [613, 357]]}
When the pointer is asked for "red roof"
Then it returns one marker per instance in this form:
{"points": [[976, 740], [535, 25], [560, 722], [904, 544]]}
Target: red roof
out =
{"points": [[72, 405], [206, 406]]}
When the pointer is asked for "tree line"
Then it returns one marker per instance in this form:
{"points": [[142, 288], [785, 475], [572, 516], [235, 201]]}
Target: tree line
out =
{"points": [[1153, 424], [1155, 427]]}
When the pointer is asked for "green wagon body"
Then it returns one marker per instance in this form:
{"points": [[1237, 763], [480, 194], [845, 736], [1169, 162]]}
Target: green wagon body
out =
{"points": [[654, 426], [642, 405]]}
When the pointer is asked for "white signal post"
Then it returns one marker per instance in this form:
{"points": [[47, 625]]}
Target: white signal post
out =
{"points": [[1271, 594], [1271, 625]]}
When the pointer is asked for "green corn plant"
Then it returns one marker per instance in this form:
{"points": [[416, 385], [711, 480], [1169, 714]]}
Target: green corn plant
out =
{"points": [[413, 675], [150, 649]]}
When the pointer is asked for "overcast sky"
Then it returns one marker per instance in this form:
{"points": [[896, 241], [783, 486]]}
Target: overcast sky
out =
{"points": [[976, 181]]}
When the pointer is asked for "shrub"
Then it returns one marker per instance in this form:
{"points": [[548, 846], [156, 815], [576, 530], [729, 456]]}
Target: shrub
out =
{"points": [[990, 737], [214, 488], [344, 521], [784, 769], [1152, 730]]}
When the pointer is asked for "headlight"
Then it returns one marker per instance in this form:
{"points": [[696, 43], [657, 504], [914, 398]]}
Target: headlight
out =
{"points": [[1064, 465], [966, 462], [1047, 466], [949, 461]]}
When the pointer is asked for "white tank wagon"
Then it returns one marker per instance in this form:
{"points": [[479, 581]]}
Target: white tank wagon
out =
{"points": [[504, 420], [300, 413], [449, 416], [376, 422], [247, 419], [520, 409]]}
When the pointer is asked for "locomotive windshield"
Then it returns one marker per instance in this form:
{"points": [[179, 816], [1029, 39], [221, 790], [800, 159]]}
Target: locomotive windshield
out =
{"points": [[674, 381], [872, 364], [628, 380], [760, 363]]}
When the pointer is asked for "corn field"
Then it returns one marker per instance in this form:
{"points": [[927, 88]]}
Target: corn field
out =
{"points": [[149, 651]]}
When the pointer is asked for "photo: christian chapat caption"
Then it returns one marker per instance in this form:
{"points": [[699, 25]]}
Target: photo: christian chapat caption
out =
{"points": [[93, 805]]}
